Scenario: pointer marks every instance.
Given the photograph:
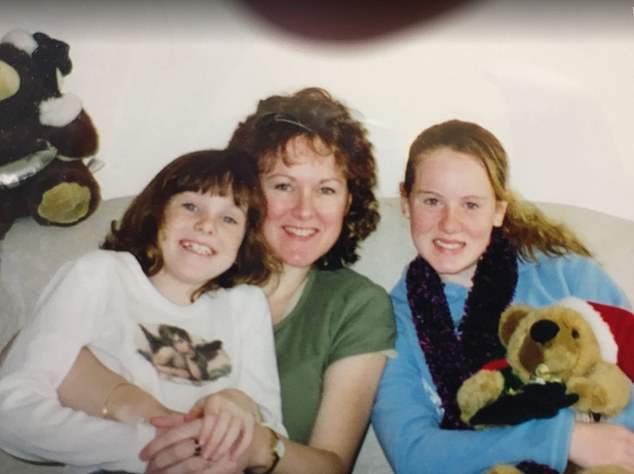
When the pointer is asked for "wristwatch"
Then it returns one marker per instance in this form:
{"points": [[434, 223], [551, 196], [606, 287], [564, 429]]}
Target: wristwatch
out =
{"points": [[277, 449]]}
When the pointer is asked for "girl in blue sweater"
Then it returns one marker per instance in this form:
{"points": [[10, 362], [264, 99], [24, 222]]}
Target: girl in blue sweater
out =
{"points": [[480, 248]]}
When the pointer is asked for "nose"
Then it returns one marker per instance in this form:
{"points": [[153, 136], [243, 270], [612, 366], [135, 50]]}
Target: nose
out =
{"points": [[450, 220], [206, 225], [304, 205], [544, 330]]}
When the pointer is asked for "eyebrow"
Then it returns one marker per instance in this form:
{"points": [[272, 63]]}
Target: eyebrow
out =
{"points": [[284, 175], [434, 193]]}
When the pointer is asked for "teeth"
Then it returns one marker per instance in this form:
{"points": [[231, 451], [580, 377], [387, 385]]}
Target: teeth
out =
{"points": [[300, 231], [197, 248], [448, 245]]}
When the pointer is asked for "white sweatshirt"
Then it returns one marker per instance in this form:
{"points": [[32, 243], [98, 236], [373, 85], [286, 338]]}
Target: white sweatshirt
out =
{"points": [[104, 301]]}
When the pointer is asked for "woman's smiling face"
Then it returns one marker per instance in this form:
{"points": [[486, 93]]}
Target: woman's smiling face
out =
{"points": [[452, 210], [307, 200]]}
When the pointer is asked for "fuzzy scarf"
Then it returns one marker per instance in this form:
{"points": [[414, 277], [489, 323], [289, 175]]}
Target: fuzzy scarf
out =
{"points": [[453, 356]]}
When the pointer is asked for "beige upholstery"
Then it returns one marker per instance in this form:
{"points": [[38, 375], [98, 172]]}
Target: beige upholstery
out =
{"points": [[31, 253]]}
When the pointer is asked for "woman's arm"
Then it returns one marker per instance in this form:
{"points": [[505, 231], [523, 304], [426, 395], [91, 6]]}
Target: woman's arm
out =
{"points": [[349, 388], [91, 387]]}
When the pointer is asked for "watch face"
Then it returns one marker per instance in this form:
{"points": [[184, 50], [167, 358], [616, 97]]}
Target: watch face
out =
{"points": [[278, 448]]}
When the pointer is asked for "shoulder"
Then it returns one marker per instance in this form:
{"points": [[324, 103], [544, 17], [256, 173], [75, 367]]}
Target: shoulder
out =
{"points": [[568, 266], [244, 291], [349, 298], [95, 262], [244, 297], [354, 312], [399, 299], [346, 292], [571, 275], [102, 267], [399, 292]]}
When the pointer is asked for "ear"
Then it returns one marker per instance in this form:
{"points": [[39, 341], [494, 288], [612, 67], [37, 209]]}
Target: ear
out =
{"points": [[404, 200], [510, 319], [500, 212]]}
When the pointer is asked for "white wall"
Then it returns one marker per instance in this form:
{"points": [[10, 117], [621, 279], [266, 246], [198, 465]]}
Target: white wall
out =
{"points": [[555, 81]]}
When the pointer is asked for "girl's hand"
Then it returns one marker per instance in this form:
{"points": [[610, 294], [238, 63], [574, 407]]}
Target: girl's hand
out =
{"points": [[175, 450], [229, 417], [236, 396], [595, 444]]}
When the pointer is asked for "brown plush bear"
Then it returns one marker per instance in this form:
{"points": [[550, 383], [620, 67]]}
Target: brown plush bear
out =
{"points": [[567, 345], [44, 135]]}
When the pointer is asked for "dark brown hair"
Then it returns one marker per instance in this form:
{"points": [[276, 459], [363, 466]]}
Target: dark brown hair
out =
{"points": [[221, 172], [313, 113], [528, 228]]}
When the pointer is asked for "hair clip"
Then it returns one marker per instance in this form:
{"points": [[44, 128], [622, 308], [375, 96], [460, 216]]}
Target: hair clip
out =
{"points": [[280, 117]]}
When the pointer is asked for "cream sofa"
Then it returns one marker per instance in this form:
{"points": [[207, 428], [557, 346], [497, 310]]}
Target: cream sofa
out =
{"points": [[30, 254]]}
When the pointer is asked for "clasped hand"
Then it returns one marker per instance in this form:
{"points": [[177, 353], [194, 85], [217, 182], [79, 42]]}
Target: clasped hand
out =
{"points": [[212, 437]]}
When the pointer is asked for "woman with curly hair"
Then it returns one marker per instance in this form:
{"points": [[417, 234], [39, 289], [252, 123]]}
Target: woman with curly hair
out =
{"points": [[480, 247], [332, 326]]}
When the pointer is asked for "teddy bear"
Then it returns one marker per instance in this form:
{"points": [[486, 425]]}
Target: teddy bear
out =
{"points": [[560, 355], [46, 136]]}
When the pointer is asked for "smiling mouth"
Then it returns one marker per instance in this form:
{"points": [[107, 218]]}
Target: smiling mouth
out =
{"points": [[197, 248], [448, 244], [300, 231]]}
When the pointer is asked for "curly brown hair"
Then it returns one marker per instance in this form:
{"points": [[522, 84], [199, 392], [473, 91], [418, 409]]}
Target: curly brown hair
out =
{"points": [[528, 228], [221, 172], [313, 113]]}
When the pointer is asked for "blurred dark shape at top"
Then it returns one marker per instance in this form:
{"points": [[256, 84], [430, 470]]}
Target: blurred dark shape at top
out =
{"points": [[349, 20]]}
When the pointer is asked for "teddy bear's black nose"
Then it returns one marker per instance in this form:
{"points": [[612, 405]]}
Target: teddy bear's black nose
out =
{"points": [[543, 331]]}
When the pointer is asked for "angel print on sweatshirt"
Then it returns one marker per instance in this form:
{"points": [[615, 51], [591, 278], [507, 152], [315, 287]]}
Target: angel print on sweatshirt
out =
{"points": [[177, 355]]}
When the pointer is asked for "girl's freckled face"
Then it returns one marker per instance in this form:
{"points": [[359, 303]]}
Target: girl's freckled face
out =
{"points": [[452, 210], [199, 239]]}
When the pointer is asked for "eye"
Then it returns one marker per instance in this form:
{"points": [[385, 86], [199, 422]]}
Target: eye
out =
{"points": [[575, 334], [190, 206], [327, 190], [229, 220], [472, 205], [431, 201], [282, 186]]}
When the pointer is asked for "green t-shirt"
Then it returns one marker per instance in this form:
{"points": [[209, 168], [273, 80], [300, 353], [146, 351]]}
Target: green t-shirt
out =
{"points": [[339, 314]]}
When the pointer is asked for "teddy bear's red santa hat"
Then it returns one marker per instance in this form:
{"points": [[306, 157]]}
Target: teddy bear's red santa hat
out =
{"points": [[613, 327]]}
